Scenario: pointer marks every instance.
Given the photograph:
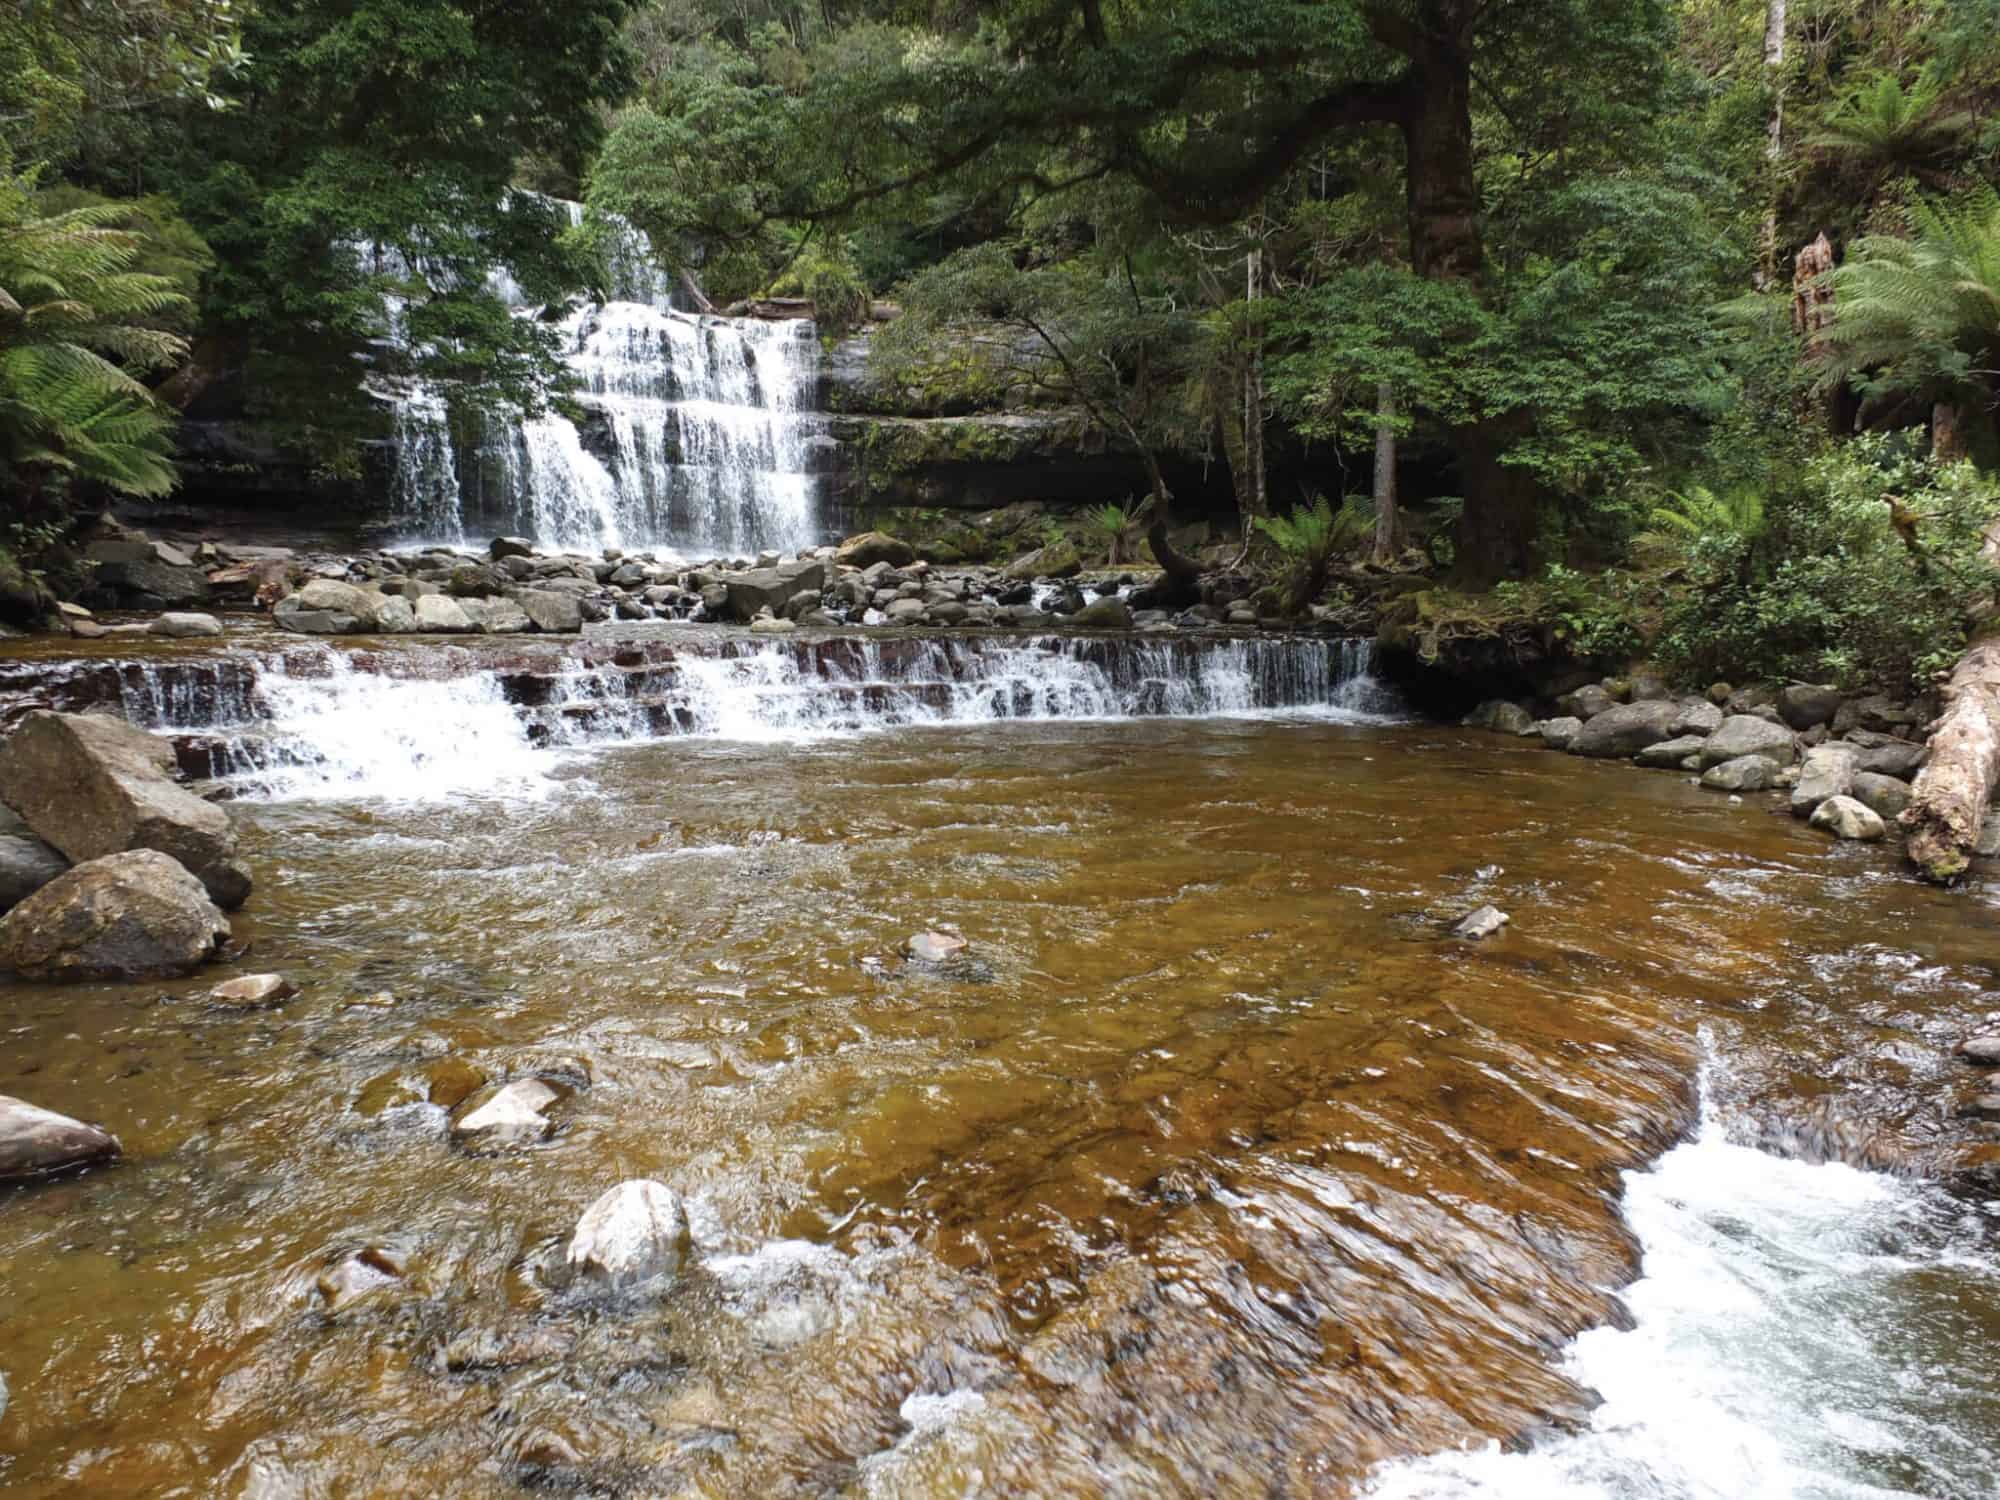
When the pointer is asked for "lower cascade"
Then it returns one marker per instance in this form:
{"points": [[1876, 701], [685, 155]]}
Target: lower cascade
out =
{"points": [[423, 723]]}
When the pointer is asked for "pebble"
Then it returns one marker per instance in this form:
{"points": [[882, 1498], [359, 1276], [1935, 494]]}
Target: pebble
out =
{"points": [[512, 1117], [254, 991]]}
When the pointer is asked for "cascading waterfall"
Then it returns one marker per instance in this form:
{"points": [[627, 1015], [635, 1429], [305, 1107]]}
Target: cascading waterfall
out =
{"points": [[317, 724], [694, 431]]}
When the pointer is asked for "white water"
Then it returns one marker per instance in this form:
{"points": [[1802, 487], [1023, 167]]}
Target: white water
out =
{"points": [[1773, 1358]]}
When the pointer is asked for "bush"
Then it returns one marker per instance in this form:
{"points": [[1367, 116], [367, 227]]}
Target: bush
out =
{"points": [[1861, 572]]}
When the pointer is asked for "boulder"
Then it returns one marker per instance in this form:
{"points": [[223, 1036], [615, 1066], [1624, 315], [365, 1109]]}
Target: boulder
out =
{"points": [[1669, 754], [1501, 716], [26, 864], [1885, 794], [1982, 1048], [512, 1117], [1827, 771], [551, 612], [1746, 773], [35, 1142], [1056, 560], [254, 991], [146, 573], [873, 547], [185, 626], [1560, 734], [1877, 711], [933, 947], [510, 546], [758, 590], [472, 580], [1481, 923], [439, 614], [1109, 613], [1897, 758], [1697, 716], [772, 625], [905, 611], [1757, 695], [499, 616], [1586, 703], [1845, 818], [1803, 705], [635, 1233], [1624, 729], [1647, 687], [1747, 734], [135, 915], [395, 616], [92, 786], [327, 606]]}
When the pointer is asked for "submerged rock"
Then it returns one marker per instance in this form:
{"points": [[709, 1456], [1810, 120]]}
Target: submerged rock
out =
{"points": [[1481, 923], [1670, 754], [36, 1142], [354, 1278], [134, 915], [254, 991], [1845, 818], [93, 786], [1499, 715], [933, 947], [512, 1117], [632, 1234]]}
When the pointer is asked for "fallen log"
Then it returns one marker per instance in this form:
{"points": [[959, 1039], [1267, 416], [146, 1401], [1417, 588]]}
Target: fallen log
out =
{"points": [[1948, 802]]}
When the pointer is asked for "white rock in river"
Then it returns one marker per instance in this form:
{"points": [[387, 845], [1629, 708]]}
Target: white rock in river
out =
{"points": [[633, 1233], [512, 1117], [254, 991], [36, 1141], [1482, 923], [933, 947], [1845, 818]]}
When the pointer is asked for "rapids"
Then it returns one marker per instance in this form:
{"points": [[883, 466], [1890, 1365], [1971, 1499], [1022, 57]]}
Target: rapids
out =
{"points": [[1212, 1168]]}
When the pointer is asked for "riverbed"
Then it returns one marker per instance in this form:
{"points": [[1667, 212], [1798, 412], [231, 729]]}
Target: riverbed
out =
{"points": [[1212, 1166]]}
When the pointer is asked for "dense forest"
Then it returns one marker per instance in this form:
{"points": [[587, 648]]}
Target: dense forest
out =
{"points": [[1646, 325]]}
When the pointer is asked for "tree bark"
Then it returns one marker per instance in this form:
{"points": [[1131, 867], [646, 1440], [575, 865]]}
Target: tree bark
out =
{"points": [[1948, 803], [1948, 438], [1443, 190], [1774, 131], [1496, 530], [1253, 391], [1385, 474]]}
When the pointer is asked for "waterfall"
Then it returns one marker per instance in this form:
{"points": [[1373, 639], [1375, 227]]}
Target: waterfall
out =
{"points": [[692, 433], [321, 722]]}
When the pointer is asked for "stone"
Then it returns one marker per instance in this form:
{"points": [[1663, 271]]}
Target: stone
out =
{"points": [[26, 865], [146, 573], [635, 1233], [1877, 711], [1982, 1107], [450, 1081], [1481, 923], [1624, 729], [351, 1279], [1501, 716], [873, 547], [751, 593], [90, 785], [1648, 687], [1887, 795], [1803, 705], [510, 546], [1109, 613], [551, 612], [1756, 695], [440, 614], [134, 915], [1056, 560], [905, 611], [1697, 716], [478, 581], [364, 605], [1586, 703], [1746, 773], [1827, 771], [933, 947], [185, 626], [512, 1117], [1670, 755], [801, 603], [767, 625], [254, 991], [395, 617], [501, 616], [1898, 758], [1981, 1048], [1746, 734], [37, 1142], [1718, 693], [1845, 818], [1560, 734]]}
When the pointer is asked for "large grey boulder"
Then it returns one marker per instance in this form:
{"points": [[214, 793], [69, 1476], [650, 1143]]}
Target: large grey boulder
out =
{"points": [[1625, 729], [1885, 795], [36, 1142], [759, 589], [1560, 734], [633, 1234], [551, 612], [1746, 734], [144, 572], [92, 786], [1803, 704], [1669, 755], [1112, 613], [439, 614], [26, 863], [1586, 703], [135, 915], [1697, 716], [327, 606], [1891, 757], [1746, 773], [873, 547], [1827, 771], [1845, 818]]}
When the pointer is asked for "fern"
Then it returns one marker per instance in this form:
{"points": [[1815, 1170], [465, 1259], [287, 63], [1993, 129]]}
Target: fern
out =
{"points": [[1309, 539], [1698, 512], [1892, 125]]}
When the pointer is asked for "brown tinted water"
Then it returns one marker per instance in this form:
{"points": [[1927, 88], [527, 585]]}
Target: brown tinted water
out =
{"points": [[1215, 1168]]}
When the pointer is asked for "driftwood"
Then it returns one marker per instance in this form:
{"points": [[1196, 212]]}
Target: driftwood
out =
{"points": [[1812, 295], [1948, 803]]}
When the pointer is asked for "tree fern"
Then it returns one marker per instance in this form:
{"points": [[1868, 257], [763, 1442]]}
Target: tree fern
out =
{"points": [[1893, 125]]}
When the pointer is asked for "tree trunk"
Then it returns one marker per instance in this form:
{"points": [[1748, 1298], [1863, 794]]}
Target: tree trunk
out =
{"points": [[1496, 530], [1948, 803], [1443, 192], [1385, 474], [1774, 132], [1253, 391], [1948, 437]]}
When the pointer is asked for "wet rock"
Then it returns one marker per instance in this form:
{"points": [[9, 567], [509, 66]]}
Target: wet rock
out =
{"points": [[632, 1234], [510, 546], [933, 947], [37, 1142], [1981, 1107], [1803, 705], [1586, 703], [147, 573], [1746, 734], [26, 865], [1501, 716], [1482, 923], [512, 1117], [328, 607], [352, 1279], [1845, 818], [1827, 771], [766, 625], [1560, 734], [1885, 794], [92, 786], [134, 915], [1890, 757], [439, 614], [1746, 773], [254, 991], [1103, 614], [1697, 716], [450, 1081], [185, 626], [1671, 754], [494, 1349], [551, 612], [1624, 730], [759, 590], [873, 547], [1057, 560], [1982, 1048], [905, 611]]}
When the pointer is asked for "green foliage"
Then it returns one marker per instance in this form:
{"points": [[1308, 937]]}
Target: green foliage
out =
{"points": [[828, 276], [1893, 126], [1109, 525], [1826, 590], [79, 324], [1308, 540], [1699, 515]]}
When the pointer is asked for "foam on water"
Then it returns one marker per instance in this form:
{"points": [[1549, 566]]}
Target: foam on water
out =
{"points": [[1769, 1358]]}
